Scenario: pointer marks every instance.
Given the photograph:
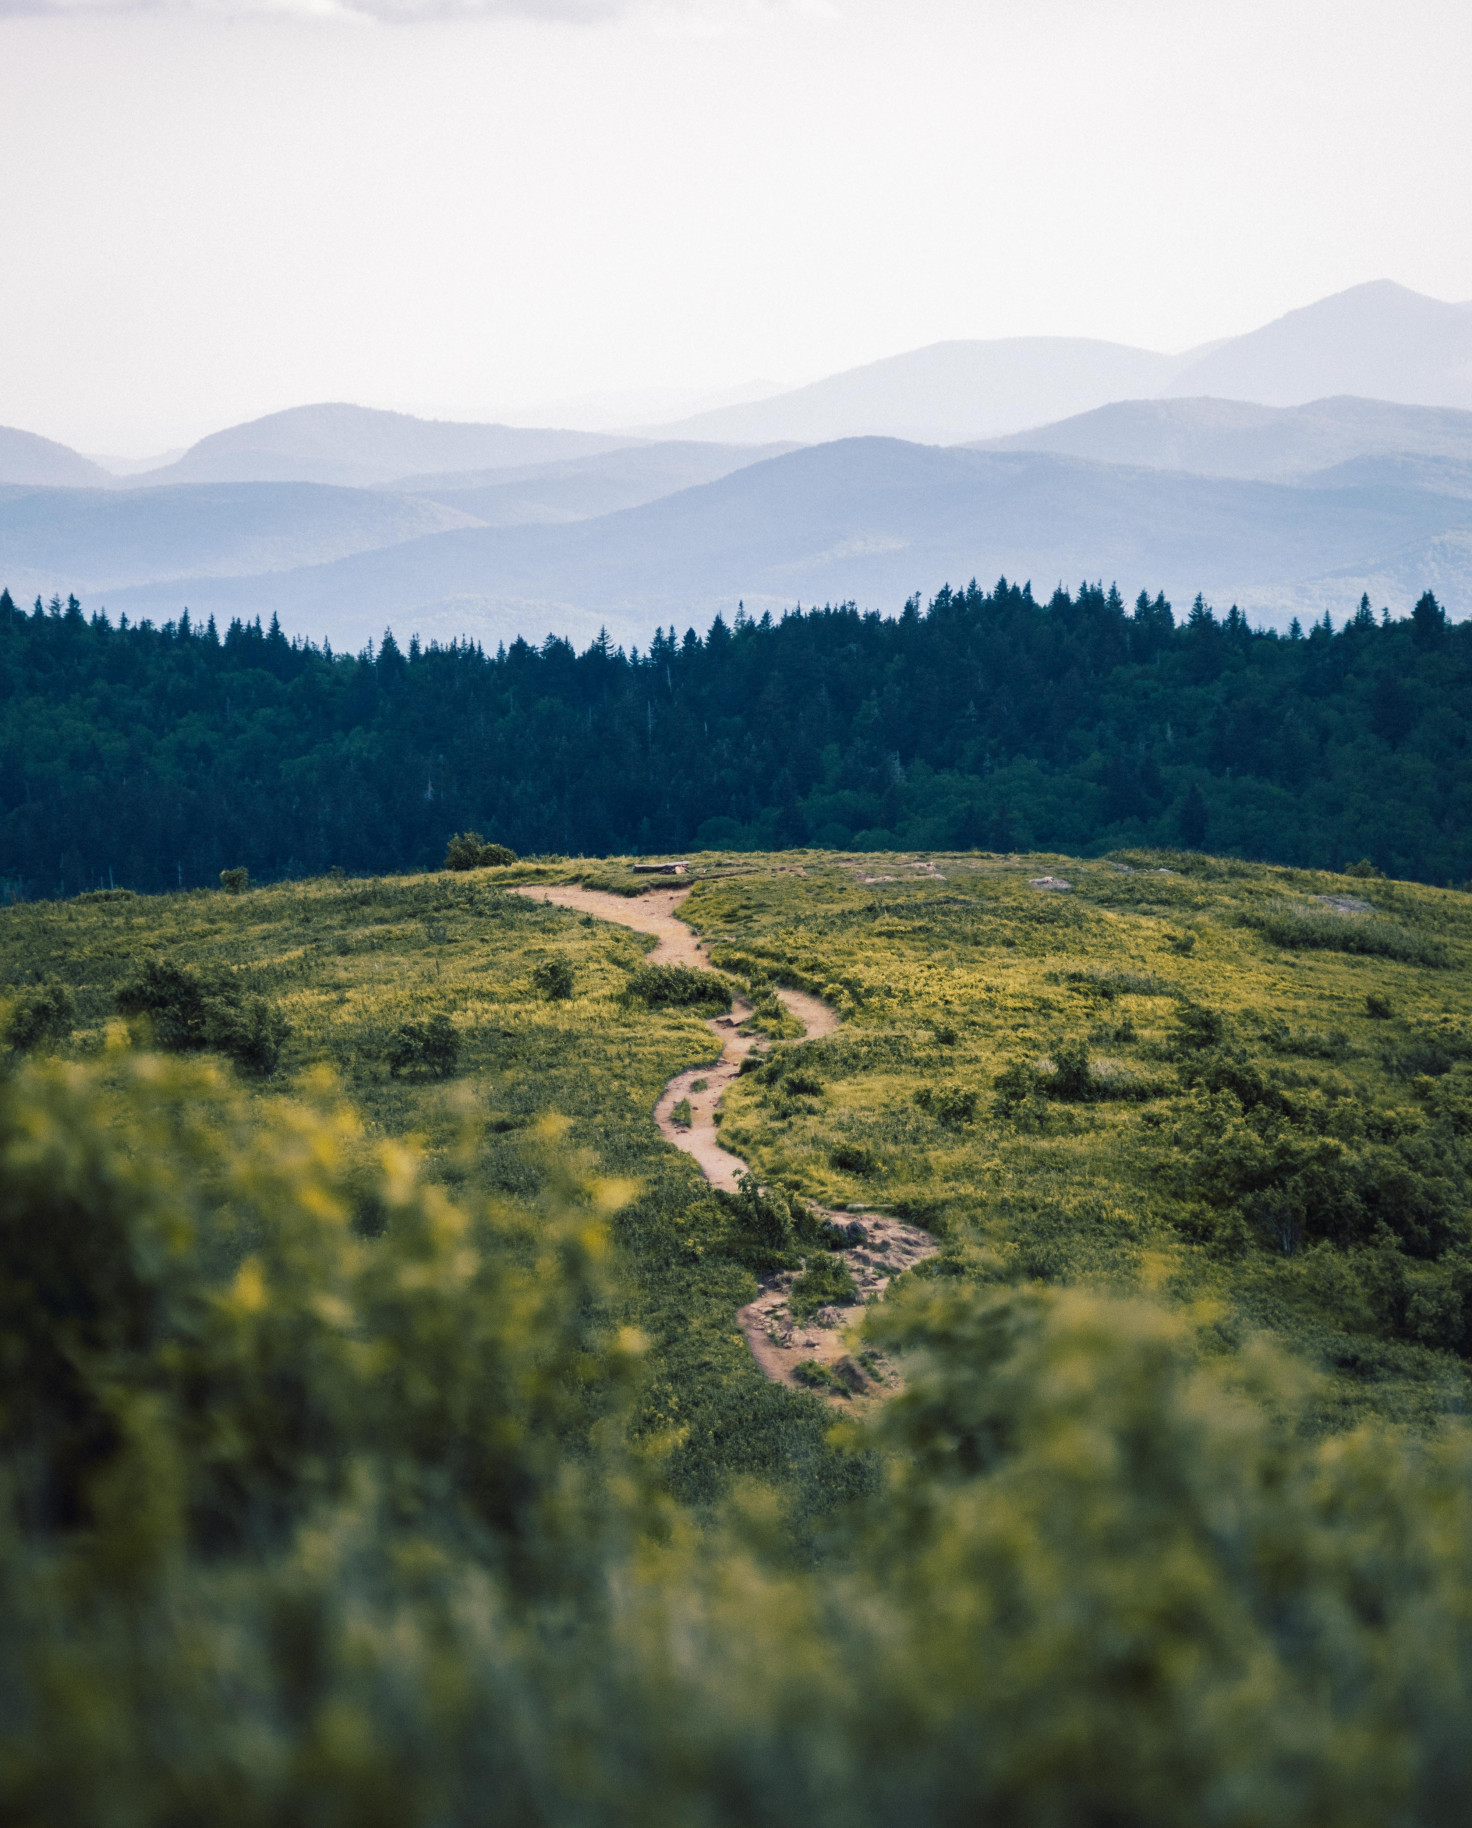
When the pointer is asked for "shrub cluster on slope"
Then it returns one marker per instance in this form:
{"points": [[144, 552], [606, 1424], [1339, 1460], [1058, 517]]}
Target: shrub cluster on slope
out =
{"points": [[304, 1526], [160, 756], [1149, 1069]]}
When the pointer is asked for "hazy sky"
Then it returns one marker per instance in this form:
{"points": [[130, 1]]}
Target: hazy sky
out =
{"points": [[210, 211]]}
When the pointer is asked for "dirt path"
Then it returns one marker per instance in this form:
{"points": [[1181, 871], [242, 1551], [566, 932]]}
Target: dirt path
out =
{"points": [[779, 1343]]}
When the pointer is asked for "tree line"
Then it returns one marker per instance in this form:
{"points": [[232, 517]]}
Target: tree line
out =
{"points": [[153, 757]]}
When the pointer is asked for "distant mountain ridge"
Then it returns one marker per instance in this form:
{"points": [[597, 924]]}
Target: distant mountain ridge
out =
{"points": [[1214, 437], [95, 541], [29, 459], [1380, 341], [873, 520], [342, 518], [360, 447], [945, 394]]}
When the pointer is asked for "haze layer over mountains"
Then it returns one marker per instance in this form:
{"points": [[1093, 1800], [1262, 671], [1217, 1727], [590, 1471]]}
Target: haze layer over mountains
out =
{"points": [[1288, 470]]}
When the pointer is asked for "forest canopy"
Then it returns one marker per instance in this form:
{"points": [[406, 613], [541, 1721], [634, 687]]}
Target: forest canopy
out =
{"points": [[155, 757]]}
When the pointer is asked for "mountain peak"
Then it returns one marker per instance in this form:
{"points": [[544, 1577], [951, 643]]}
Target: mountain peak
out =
{"points": [[1379, 340]]}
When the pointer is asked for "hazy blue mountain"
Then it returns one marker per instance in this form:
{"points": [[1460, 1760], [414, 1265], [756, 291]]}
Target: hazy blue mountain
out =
{"points": [[357, 447], [946, 394], [1432, 475], [1233, 438], [578, 488], [1378, 340], [89, 540], [874, 520], [25, 458]]}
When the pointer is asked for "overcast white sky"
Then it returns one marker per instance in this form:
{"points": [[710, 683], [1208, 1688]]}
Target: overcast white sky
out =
{"points": [[210, 211]]}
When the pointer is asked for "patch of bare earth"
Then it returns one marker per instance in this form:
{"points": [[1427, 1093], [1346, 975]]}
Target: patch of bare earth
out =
{"points": [[780, 1344], [786, 1347]]}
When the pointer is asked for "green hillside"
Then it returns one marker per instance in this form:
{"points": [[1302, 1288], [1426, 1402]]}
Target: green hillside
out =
{"points": [[380, 1442]]}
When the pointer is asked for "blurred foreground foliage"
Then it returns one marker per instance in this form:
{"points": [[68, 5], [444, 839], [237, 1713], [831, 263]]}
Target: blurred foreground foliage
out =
{"points": [[303, 1525]]}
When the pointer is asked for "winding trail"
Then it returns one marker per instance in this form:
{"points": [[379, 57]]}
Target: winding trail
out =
{"points": [[778, 1342]]}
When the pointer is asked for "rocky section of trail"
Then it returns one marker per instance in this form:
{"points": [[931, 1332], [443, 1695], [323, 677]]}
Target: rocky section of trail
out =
{"points": [[815, 1353], [812, 1354]]}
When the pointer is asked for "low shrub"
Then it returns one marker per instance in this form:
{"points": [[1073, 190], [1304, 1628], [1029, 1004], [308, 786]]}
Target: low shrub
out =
{"points": [[1111, 984], [678, 987], [844, 1379], [764, 1227], [853, 1158], [191, 1012], [1429, 1051], [826, 1282], [952, 1105], [431, 1047], [682, 1115], [553, 979], [41, 1016], [1196, 1027], [1368, 935], [1072, 1079], [1019, 1095], [467, 850], [1307, 1043]]}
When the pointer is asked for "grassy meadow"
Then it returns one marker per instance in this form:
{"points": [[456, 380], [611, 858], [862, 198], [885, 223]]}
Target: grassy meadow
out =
{"points": [[1178, 1040], [378, 1444]]}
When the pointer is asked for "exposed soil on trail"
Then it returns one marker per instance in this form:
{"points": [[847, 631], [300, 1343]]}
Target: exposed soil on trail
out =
{"points": [[882, 1246], [780, 1343]]}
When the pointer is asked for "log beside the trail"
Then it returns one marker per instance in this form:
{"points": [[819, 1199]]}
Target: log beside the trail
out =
{"points": [[661, 869]]}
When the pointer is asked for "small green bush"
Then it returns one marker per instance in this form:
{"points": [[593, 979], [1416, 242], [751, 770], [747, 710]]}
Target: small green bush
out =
{"points": [[678, 987], [1072, 1079], [1378, 1007], [189, 1012], [826, 1282], [844, 1379], [43, 1016], [765, 1226], [1431, 1050], [1197, 1027], [1020, 1098], [553, 979], [853, 1158], [682, 1115], [467, 850], [432, 1047], [952, 1105]]}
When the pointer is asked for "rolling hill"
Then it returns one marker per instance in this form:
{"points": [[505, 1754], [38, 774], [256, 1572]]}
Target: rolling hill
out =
{"points": [[1213, 437], [28, 459], [580, 488], [91, 540]]}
